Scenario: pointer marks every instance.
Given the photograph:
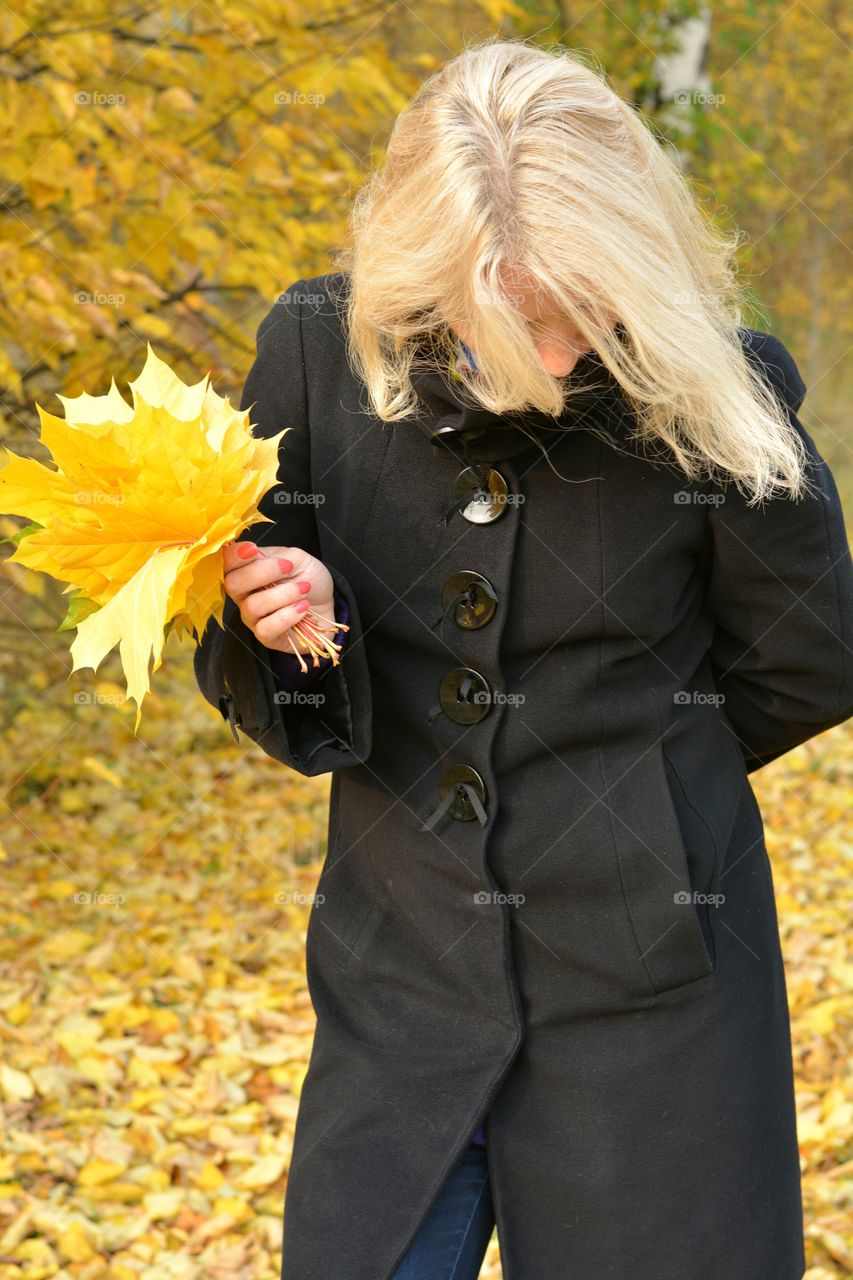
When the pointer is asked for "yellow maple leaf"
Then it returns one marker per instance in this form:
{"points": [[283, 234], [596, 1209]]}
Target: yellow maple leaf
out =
{"points": [[97, 1171], [136, 510], [15, 1085]]}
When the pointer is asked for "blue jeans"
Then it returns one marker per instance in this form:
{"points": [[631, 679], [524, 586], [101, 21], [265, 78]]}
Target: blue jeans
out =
{"points": [[452, 1242]]}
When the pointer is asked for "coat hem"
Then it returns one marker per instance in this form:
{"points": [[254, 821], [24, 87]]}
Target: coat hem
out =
{"points": [[455, 1154]]}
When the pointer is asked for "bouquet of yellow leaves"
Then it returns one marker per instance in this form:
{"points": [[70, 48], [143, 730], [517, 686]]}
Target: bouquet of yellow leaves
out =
{"points": [[137, 511]]}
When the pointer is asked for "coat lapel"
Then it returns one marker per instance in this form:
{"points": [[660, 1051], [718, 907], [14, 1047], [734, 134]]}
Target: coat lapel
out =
{"points": [[449, 414]]}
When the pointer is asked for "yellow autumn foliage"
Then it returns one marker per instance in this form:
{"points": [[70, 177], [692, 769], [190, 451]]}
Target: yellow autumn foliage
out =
{"points": [[137, 510]]}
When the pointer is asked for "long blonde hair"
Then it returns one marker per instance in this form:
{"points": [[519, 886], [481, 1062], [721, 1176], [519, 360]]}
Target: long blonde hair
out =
{"points": [[515, 156]]}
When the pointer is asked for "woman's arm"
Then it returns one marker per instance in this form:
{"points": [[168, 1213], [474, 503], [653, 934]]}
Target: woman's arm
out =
{"points": [[781, 594], [235, 672]]}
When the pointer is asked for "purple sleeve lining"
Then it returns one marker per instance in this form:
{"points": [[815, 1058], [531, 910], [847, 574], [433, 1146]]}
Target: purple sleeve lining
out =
{"points": [[285, 666]]}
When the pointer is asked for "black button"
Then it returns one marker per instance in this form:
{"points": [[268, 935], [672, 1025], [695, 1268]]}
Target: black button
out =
{"points": [[461, 809], [489, 504], [471, 599], [465, 695]]}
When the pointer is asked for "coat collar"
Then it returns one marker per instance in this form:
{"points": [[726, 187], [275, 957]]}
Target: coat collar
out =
{"points": [[449, 415]]}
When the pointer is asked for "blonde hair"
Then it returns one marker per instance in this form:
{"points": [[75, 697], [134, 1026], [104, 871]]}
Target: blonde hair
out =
{"points": [[512, 156]]}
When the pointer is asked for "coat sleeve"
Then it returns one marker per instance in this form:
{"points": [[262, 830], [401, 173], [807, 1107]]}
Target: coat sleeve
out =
{"points": [[781, 596], [331, 729]]}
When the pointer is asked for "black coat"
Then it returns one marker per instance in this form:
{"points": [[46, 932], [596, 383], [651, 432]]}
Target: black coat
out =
{"points": [[583, 947]]}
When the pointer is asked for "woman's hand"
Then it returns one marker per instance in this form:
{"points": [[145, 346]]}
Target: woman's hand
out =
{"points": [[274, 588]]}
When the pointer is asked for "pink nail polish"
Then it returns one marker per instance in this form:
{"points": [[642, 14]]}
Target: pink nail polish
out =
{"points": [[302, 606], [304, 586]]}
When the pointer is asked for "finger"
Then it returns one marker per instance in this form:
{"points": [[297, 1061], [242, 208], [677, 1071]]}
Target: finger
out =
{"points": [[237, 554], [259, 604], [260, 572], [271, 629]]}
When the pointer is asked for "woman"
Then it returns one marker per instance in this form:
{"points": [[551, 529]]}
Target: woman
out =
{"points": [[595, 573]]}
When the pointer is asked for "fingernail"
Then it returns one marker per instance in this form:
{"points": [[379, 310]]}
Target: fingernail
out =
{"points": [[303, 586], [302, 606], [285, 565], [246, 550]]}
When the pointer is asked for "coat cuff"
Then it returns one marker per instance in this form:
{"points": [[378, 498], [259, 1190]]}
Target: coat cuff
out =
{"points": [[289, 677], [330, 730]]}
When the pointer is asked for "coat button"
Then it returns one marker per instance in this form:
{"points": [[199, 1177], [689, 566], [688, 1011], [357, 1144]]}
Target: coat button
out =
{"points": [[465, 695], [462, 809], [469, 599], [488, 498]]}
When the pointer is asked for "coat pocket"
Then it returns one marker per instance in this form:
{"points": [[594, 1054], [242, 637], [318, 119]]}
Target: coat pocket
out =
{"points": [[701, 853], [668, 862]]}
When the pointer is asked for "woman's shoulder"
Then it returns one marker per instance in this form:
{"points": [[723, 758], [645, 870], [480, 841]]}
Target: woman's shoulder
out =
{"points": [[775, 362], [318, 294], [318, 307]]}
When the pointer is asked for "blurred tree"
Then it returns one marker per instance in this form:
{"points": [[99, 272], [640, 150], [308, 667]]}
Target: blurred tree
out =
{"points": [[779, 141], [167, 170], [162, 167]]}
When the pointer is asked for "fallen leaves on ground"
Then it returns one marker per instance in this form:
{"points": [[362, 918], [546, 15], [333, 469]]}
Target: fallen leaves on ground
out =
{"points": [[154, 1020], [807, 802]]}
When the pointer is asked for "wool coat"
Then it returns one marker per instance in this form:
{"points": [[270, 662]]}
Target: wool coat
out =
{"points": [[546, 902]]}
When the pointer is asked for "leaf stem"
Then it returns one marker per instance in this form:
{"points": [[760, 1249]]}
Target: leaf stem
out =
{"points": [[309, 630]]}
